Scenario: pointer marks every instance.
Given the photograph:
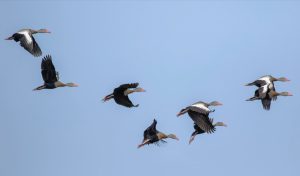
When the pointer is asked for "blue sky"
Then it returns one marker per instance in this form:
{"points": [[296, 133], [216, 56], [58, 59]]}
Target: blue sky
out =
{"points": [[180, 52]]}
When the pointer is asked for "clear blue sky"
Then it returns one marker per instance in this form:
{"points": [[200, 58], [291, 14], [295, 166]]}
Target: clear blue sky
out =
{"points": [[180, 52]]}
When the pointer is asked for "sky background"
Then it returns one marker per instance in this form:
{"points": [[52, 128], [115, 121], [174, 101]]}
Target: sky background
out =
{"points": [[180, 52]]}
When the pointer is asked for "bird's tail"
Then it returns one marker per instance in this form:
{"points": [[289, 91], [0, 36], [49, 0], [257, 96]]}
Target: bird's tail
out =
{"points": [[40, 87], [108, 97]]}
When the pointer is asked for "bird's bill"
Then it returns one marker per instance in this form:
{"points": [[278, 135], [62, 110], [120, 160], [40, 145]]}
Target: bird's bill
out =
{"points": [[289, 94], [176, 138]]}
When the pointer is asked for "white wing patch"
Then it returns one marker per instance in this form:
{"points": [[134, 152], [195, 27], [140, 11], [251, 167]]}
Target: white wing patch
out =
{"points": [[267, 79], [265, 88], [27, 36], [201, 106]]}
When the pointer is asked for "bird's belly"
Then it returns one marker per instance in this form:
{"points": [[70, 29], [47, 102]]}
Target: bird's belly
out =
{"points": [[50, 86]]}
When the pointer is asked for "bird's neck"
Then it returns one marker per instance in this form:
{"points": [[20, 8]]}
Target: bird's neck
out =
{"points": [[129, 91], [161, 136]]}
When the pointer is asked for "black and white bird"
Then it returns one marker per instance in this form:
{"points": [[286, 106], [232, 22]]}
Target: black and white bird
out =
{"points": [[267, 80], [265, 93], [27, 41], [153, 136], [120, 94], [50, 76], [199, 113], [198, 130]]}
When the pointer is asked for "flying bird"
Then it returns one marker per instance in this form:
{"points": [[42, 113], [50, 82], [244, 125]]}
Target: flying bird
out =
{"points": [[268, 79], [266, 94], [50, 76], [199, 112], [120, 94], [27, 41], [153, 136], [198, 130]]}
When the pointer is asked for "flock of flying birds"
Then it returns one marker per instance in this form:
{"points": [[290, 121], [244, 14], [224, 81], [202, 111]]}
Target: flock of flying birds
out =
{"points": [[198, 112]]}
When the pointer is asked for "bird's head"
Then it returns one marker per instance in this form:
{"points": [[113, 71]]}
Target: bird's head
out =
{"points": [[282, 79], [215, 103], [173, 136], [43, 31], [72, 85], [220, 124], [286, 94], [139, 89]]}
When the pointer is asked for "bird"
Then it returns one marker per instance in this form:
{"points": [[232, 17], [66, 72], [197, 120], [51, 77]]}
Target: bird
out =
{"points": [[198, 130], [267, 79], [120, 94], [266, 94], [199, 112], [153, 136], [50, 76], [27, 41]]}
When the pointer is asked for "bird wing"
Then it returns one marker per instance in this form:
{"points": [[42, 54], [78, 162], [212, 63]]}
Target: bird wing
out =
{"points": [[151, 130], [262, 92], [28, 42], [124, 87], [202, 121], [48, 70], [266, 102], [259, 83], [123, 100], [120, 97], [201, 110]]}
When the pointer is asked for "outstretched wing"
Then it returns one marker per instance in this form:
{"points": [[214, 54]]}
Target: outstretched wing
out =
{"points": [[266, 102], [124, 87], [123, 100], [28, 42], [48, 70], [202, 121], [151, 130], [258, 83], [120, 97]]}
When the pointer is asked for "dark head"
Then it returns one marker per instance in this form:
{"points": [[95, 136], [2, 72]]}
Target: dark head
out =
{"points": [[215, 103]]}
